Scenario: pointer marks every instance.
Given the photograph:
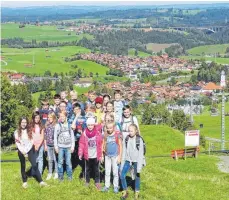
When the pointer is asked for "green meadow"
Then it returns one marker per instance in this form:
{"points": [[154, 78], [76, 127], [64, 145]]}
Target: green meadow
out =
{"points": [[51, 59], [162, 178], [217, 60], [209, 49], [212, 124], [39, 33], [131, 52]]}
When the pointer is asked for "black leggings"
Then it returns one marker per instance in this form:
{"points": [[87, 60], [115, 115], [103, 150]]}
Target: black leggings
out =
{"points": [[92, 164], [32, 160]]}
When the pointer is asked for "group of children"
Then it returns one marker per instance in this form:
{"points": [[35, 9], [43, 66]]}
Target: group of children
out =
{"points": [[100, 131]]}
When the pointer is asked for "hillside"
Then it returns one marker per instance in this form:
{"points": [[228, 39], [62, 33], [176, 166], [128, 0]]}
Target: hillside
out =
{"points": [[52, 59], [162, 178]]}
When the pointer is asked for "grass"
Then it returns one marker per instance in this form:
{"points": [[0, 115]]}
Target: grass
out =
{"points": [[39, 33], [131, 52], [209, 49], [217, 60], [157, 47], [212, 124], [161, 179], [51, 59]]}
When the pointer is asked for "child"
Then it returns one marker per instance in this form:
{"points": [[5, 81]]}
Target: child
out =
{"points": [[63, 96], [49, 144], [106, 99], [90, 147], [118, 105], [109, 109], [78, 126], [108, 119], [133, 155], [24, 142], [112, 148], [44, 111], [64, 144], [38, 139], [91, 98], [126, 120], [98, 109], [56, 106]]}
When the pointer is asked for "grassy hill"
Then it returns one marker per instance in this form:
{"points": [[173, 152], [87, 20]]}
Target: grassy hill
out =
{"points": [[162, 178], [48, 59], [217, 60], [39, 33], [131, 52], [209, 49]]}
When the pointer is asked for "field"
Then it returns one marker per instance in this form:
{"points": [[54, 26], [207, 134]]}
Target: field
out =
{"points": [[217, 60], [39, 33], [212, 124], [162, 178], [51, 59], [157, 47], [209, 49], [140, 53]]}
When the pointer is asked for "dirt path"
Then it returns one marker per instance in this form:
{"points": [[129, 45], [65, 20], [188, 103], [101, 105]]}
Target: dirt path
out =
{"points": [[223, 165]]}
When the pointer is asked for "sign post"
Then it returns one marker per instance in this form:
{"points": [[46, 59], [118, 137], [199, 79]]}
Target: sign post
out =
{"points": [[192, 139]]}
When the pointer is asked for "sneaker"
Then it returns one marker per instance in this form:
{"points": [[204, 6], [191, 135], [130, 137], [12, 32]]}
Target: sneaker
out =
{"points": [[49, 177], [105, 189], [86, 184], [43, 184], [70, 178], [25, 185], [136, 196], [124, 195], [55, 176], [116, 190], [98, 186]]}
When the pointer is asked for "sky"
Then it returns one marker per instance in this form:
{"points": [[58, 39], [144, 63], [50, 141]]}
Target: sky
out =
{"points": [[18, 3]]}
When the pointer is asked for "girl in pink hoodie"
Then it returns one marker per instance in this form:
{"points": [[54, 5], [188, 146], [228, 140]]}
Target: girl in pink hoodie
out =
{"points": [[90, 147]]}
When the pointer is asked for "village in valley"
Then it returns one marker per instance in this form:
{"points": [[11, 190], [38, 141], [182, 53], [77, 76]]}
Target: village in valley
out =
{"points": [[169, 63]]}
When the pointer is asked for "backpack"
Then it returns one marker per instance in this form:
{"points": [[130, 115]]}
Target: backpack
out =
{"points": [[122, 121], [69, 129], [117, 133], [138, 137]]}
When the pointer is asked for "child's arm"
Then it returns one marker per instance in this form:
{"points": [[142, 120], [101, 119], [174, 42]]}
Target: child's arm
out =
{"points": [[55, 138], [18, 143], [73, 141], [120, 150], [140, 157]]}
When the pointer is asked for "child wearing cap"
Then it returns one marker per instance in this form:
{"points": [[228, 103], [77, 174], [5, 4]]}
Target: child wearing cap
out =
{"points": [[90, 147], [99, 109]]}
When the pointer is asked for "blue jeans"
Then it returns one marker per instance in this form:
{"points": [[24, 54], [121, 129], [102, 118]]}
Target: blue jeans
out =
{"points": [[64, 152], [125, 169], [39, 160], [52, 158]]}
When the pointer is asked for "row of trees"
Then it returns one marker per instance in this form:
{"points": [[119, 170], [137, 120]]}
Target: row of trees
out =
{"points": [[20, 43]]}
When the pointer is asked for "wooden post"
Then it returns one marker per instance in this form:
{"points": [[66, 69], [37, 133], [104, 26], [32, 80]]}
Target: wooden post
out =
{"points": [[176, 157]]}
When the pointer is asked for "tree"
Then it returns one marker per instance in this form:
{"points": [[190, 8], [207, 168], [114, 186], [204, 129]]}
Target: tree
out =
{"points": [[11, 110], [91, 74], [179, 120], [136, 52], [97, 74]]}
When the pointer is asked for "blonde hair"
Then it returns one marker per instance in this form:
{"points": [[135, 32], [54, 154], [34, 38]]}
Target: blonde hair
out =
{"points": [[136, 128], [53, 116]]}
